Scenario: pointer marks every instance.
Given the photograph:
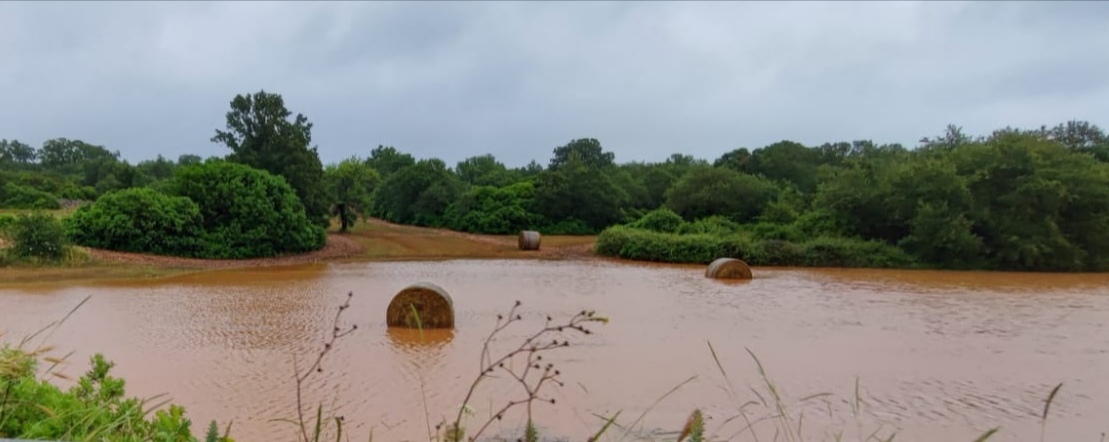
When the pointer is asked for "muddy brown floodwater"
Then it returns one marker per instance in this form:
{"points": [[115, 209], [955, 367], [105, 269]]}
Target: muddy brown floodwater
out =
{"points": [[939, 356]]}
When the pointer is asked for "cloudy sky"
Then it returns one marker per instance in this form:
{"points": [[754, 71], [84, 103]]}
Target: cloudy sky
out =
{"points": [[516, 80]]}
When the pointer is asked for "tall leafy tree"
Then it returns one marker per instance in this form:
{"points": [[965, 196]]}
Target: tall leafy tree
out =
{"points": [[586, 150], [260, 134], [350, 184], [418, 194]]}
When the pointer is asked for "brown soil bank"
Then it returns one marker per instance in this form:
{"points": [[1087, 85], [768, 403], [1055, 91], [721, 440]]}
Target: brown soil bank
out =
{"points": [[373, 240]]}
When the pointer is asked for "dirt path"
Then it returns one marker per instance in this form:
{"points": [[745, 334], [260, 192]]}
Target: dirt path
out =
{"points": [[391, 241]]}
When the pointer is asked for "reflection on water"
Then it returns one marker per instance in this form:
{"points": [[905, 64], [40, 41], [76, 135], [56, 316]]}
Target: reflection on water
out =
{"points": [[938, 355]]}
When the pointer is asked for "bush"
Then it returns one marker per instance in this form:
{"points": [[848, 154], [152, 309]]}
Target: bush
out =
{"points": [[139, 220], [493, 210], [246, 212], [768, 231], [6, 222], [713, 225], [659, 220], [567, 227], [645, 245], [14, 196], [847, 252], [37, 236]]}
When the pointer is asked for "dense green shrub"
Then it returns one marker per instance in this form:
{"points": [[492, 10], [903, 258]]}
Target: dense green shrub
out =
{"points": [[139, 220], [846, 252], [659, 220], [246, 212], [783, 232], [644, 245], [488, 209], [6, 222], [37, 236], [567, 227], [773, 252], [714, 225], [14, 196]]}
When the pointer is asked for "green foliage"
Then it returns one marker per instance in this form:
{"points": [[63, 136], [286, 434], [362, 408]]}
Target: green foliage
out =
{"points": [[659, 220], [260, 134], [387, 160], [139, 220], [246, 212], [644, 245], [95, 408], [714, 225], [14, 196], [485, 170], [36, 237], [579, 191], [586, 150], [6, 222], [418, 194], [350, 185], [488, 209], [705, 191]]}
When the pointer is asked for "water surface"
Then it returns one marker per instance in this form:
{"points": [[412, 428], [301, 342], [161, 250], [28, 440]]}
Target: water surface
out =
{"points": [[938, 355]]}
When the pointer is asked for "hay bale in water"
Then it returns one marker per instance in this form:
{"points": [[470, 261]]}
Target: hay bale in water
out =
{"points": [[433, 307], [728, 268], [528, 240]]}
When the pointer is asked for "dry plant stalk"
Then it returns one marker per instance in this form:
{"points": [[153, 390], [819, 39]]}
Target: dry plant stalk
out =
{"points": [[317, 367], [531, 348]]}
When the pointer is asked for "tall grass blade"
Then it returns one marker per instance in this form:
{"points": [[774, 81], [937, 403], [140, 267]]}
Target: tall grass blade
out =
{"points": [[657, 401], [986, 435], [608, 423], [1047, 408]]}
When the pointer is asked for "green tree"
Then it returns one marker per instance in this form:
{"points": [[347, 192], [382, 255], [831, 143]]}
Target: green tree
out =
{"points": [[578, 190], [493, 210], [484, 170], [68, 155], [786, 161], [260, 134], [706, 191], [586, 150], [14, 152], [418, 194], [350, 185], [387, 160]]}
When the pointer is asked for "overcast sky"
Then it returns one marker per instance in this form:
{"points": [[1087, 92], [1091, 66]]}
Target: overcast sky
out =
{"points": [[452, 80]]}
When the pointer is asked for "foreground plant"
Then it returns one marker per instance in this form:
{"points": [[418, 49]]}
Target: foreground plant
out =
{"points": [[94, 408], [315, 427], [532, 377]]}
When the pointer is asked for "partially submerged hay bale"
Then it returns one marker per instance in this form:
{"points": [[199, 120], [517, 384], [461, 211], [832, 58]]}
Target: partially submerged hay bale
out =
{"points": [[528, 240], [433, 307], [728, 268]]}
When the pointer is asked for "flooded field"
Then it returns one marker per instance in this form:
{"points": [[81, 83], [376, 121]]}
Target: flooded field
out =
{"points": [[938, 356]]}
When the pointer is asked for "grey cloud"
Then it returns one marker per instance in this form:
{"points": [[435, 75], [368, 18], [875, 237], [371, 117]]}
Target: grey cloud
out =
{"points": [[457, 79]]}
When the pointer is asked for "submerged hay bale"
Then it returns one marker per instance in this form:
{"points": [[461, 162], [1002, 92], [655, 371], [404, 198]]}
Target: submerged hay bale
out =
{"points": [[433, 307], [728, 268], [528, 240]]}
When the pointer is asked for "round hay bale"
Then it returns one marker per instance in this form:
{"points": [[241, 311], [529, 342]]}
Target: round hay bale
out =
{"points": [[528, 240], [728, 268], [433, 307]]}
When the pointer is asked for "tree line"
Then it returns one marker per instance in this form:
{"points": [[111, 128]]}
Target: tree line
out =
{"points": [[1022, 199]]}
